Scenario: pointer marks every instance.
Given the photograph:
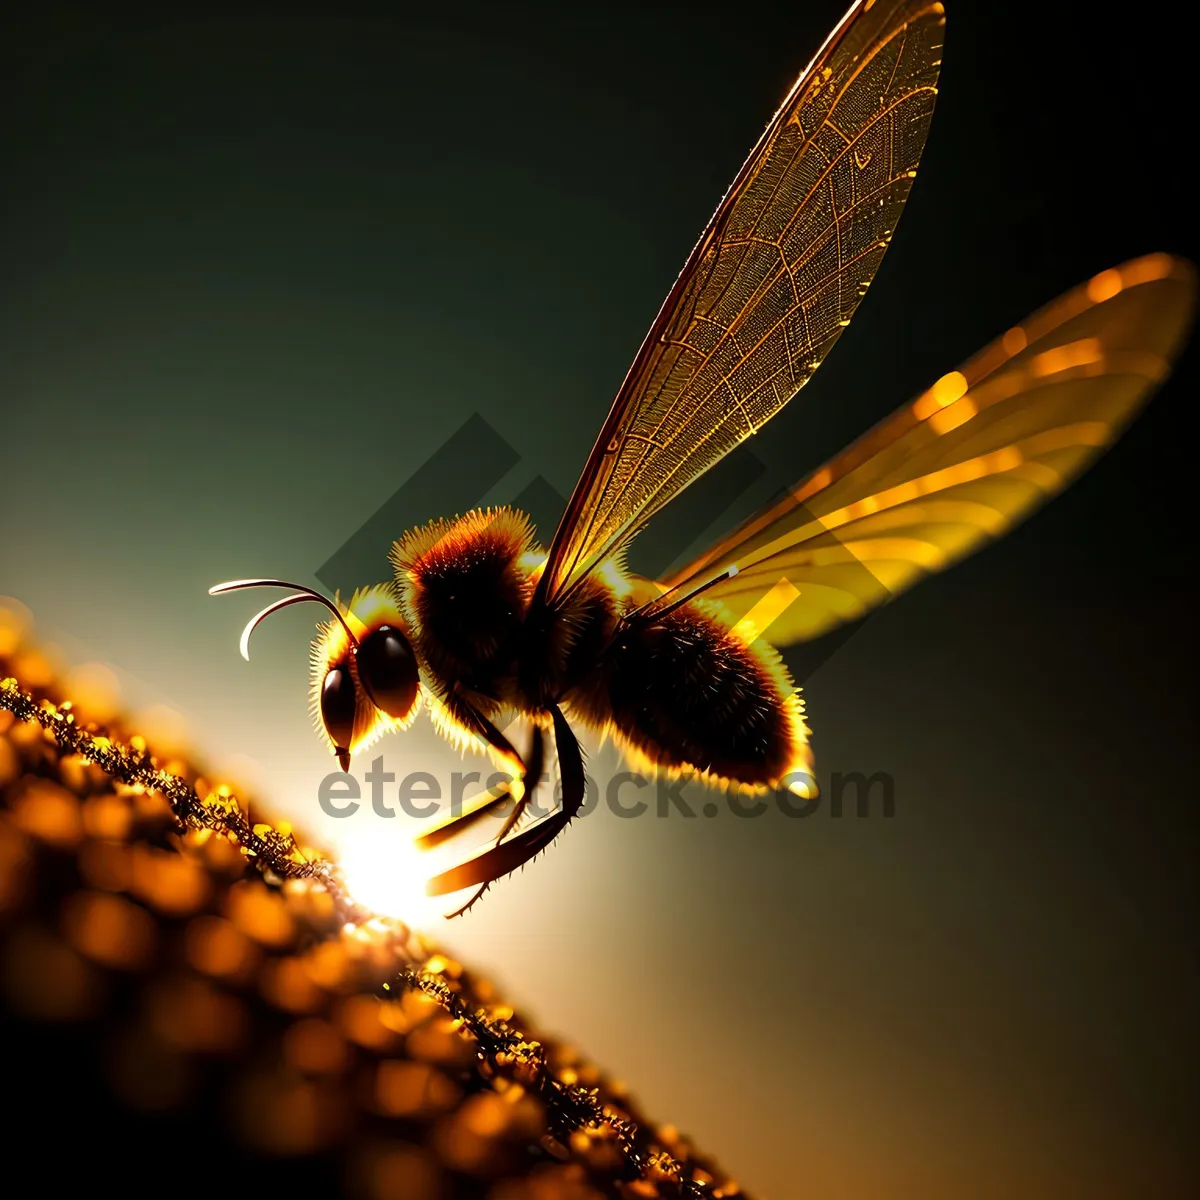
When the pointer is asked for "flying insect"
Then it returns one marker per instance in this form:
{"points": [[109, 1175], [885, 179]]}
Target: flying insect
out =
{"points": [[479, 623]]}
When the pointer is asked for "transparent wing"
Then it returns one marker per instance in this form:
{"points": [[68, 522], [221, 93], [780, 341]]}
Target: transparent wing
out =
{"points": [[772, 282], [963, 463]]}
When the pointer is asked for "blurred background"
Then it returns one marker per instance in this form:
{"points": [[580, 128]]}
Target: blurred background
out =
{"points": [[259, 269]]}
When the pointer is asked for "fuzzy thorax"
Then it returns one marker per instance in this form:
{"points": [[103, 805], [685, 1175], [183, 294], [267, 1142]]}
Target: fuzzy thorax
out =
{"points": [[464, 587]]}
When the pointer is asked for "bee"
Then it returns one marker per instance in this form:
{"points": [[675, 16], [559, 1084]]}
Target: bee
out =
{"points": [[479, 623]]}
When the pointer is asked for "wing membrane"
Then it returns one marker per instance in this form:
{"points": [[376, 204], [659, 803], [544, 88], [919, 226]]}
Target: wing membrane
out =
{"points": [[772, 282], [963, 463]]}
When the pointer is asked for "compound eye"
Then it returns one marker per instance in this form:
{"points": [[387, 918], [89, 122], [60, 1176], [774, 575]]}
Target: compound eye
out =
{"points": [[388, 670], [337, 708]]}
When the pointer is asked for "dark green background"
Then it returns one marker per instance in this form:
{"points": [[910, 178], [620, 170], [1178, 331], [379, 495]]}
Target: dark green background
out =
{"points": [[257, 269]]}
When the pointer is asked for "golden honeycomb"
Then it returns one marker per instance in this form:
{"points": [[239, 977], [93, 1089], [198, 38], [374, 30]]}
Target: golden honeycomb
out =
{"points": [[191, 1001]]}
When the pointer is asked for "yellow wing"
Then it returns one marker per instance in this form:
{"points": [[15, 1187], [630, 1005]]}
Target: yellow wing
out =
{"points": [[772, 282], [961, 465]]}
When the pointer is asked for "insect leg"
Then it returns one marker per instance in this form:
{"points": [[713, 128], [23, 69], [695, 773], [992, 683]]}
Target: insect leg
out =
{"points": [[487, 802], [467, 715], [506, 857], [534, 772]]}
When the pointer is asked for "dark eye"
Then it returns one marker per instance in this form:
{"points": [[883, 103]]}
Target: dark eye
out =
{"points": [[388, 670], [337, 706]]}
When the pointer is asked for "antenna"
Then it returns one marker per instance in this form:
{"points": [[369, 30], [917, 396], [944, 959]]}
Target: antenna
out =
{"points": [[303, 595]]}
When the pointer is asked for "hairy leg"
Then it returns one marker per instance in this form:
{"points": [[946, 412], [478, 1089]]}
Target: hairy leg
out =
{"points": [[487, 801], [506, 857], [471, 719], [534, 764]]}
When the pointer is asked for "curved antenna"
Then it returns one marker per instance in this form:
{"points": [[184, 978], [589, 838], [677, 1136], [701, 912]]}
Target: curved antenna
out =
{"points": [[302, 594], [286, 602]]}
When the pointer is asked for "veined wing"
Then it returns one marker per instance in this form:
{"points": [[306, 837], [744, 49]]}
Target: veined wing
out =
{"points": [[772, 282], [961, 465]]}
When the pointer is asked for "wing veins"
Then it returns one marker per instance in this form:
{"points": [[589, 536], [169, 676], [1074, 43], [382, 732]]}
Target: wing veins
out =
{"points": [[749, 308], [811, 140], [635, 467]]}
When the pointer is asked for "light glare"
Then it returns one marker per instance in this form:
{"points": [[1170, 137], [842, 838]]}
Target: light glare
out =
{"points": [[388, 874]]}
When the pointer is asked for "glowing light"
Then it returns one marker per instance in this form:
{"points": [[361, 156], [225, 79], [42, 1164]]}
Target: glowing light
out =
{"points": [[1104, 286], [767, 610], [946, 391], [15, 620], [1149, 269], [949, 388], [802, 785], [94, 687], [951, 417], [388, 874], [1015, 341], [1082, 353]]}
